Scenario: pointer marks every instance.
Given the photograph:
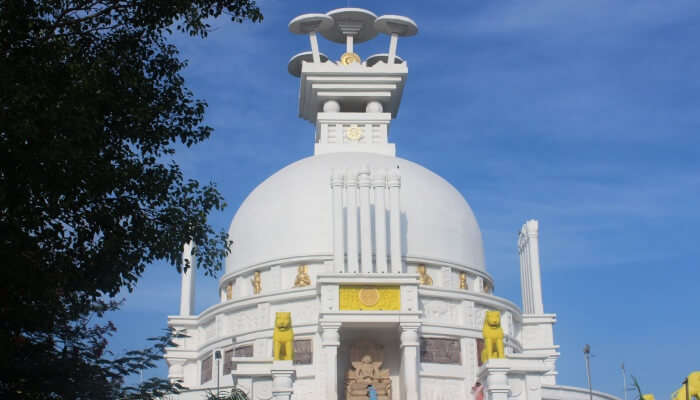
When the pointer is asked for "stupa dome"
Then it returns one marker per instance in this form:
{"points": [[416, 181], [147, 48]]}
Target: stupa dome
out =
{"points": [[289, 216]]}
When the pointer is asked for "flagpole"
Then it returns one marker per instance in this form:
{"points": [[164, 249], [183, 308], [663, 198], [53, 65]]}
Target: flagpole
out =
{"points": [[624, 381]]}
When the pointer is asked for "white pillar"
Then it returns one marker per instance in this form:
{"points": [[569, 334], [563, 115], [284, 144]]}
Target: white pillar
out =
{"points": [[349, 43], [409, 361], [394, 182], [534, 253], [338, 236], [494, 377], [283, 375], [188, 277], [330, 340], [365, 222], [379, 183], [353, 260], [393, 42], [314, 47], [530, 276]]}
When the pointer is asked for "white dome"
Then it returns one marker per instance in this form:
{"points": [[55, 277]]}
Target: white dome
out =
{"points": [[289, 215]]}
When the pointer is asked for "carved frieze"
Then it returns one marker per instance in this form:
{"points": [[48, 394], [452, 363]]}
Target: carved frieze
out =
{"points": [[440, 351], [361, 297], [439, 310]]}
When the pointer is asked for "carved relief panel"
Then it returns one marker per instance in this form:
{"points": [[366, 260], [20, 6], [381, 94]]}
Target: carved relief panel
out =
{"points": [[440, 351], [439, 310]]}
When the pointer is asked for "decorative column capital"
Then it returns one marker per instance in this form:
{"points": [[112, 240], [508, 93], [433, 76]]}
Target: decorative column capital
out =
{"points": [[409, 333], [379, 178], [364, 178], [330, 335], [394, 179], [351, 179], [337, 179], [532, 227]]}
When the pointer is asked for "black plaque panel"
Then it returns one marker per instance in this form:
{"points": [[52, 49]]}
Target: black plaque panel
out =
{"points": [[228, 363], [479, 349], [206, 369], [303, 352], [243, 351], [440, 351]]}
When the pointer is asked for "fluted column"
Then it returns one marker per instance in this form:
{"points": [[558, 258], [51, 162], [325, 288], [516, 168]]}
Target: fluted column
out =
{"points": [[409, 360], [379, 183], [330, 340], [365, 222], [353, 259], [394, 182], [338, 236], [534, 255], [188, 277]]}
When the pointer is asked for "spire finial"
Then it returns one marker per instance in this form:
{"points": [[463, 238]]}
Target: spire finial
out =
{"points": [[351, 102]]}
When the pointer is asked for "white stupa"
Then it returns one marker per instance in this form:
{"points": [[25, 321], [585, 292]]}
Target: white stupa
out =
{"points": [[379, 260]]}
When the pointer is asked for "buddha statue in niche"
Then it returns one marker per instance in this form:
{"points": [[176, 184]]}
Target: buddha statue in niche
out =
{"points": [[256, 282], [302, 278], [364, 373], [463, 280], [424, 278]]}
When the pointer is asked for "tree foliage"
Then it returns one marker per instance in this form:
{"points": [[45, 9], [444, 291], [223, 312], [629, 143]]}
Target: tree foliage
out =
{"points": [[92, 108]]}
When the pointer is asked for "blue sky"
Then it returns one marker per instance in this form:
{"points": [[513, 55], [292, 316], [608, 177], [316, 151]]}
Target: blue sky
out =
{"points": [[582, 114]]}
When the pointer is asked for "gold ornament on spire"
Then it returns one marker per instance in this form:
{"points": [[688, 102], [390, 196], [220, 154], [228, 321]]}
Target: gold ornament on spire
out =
{"points": [[354, 133], [349, 58]]}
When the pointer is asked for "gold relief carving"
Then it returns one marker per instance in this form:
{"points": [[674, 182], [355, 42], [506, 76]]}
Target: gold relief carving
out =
{"points": [[302, 278], [354, 133], [463, 280], [349, 58], [424, 278], [229, 291], [257, 283], [370, 298]]}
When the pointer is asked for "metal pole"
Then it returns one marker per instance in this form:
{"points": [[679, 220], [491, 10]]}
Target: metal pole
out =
{"points": [[587, 355], [687, 391], [217, 356], [624, 381]]}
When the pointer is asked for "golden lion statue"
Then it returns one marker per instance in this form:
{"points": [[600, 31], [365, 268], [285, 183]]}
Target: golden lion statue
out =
{"points": [[283, 337], [493, 336], [693, 388]]}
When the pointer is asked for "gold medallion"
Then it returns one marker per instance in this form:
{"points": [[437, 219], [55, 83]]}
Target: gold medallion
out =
{"points": [[369, 296], [349, 58], [354, 133]]}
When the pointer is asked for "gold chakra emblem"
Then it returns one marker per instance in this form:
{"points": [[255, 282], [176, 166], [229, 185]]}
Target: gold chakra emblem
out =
{"points": [[354, 133], [349, 58], [369, 296]]}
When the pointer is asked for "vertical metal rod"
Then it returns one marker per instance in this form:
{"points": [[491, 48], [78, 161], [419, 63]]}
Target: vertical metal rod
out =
{"points": [[587, 355], [687, 389], [218, 364], [624, 381]]}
